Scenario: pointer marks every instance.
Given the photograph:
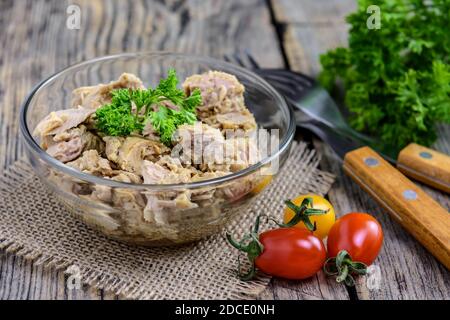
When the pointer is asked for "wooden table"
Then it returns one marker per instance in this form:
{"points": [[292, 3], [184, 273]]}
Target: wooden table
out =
{"points": [[279, 33]]}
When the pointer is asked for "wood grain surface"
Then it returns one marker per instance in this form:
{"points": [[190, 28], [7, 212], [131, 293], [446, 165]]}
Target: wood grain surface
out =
{"points": [[36, 43], [324, 12]]}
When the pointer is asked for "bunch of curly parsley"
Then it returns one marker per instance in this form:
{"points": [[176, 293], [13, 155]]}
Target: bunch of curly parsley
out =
{"points": [[397, 78], [130, 109]]}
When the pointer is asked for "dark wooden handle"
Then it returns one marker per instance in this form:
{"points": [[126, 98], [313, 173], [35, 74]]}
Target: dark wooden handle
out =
{"points": [[417, 212], [425, 165]]}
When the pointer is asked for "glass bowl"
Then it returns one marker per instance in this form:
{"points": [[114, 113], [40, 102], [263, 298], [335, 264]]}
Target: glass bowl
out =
{"points": [[122, 218]]}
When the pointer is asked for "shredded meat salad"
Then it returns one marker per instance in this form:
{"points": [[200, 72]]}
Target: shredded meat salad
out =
{"points": [[122, 132]]}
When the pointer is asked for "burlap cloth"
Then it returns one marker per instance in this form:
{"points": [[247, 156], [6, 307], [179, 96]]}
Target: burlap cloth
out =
{"points": [[35, 226]]}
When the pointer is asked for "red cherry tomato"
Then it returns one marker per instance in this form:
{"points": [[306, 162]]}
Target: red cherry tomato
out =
{"points": [[290, 253], [357, 233]]}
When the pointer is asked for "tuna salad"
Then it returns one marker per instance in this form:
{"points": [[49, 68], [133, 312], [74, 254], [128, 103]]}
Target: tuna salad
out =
{"points": [[124, 131]]}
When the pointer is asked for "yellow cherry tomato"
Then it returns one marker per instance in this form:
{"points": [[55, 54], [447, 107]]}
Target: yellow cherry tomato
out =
{"points": [[262, 184], [323, 222]]}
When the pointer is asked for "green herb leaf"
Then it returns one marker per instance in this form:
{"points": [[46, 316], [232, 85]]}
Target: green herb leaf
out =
{"points": [[116, 118], [130, 109], [164, 123], [396, 78]]}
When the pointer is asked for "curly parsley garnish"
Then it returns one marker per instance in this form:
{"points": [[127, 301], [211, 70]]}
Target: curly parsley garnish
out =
{"points": [[397, 78], [130, 109]]}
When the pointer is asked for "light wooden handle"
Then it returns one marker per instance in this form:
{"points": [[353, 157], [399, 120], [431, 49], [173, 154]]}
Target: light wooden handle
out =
{"points": [[417, 212], [425, 165]]}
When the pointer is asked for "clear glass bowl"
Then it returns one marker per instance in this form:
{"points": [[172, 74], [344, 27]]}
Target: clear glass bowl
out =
{"points": [[123, 219]]}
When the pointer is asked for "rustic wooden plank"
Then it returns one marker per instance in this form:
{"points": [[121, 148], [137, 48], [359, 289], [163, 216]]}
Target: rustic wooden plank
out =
{"points": [[316, 288], [20, 280], [312, 11], [305, 43], [43, 45], [16, 275], [408, 271], [311, 28]]}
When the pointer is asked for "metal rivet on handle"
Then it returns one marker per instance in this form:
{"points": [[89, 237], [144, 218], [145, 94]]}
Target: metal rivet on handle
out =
{"points": [[426, 155], [371, 162], [409, 195]]}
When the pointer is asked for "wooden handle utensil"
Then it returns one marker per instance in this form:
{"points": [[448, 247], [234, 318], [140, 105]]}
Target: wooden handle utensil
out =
{"points": [[417, 212], [425, 165]]}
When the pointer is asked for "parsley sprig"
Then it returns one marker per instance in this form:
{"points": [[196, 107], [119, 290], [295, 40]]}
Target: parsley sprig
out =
{"points": [[396, 78], [130, 109]]}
